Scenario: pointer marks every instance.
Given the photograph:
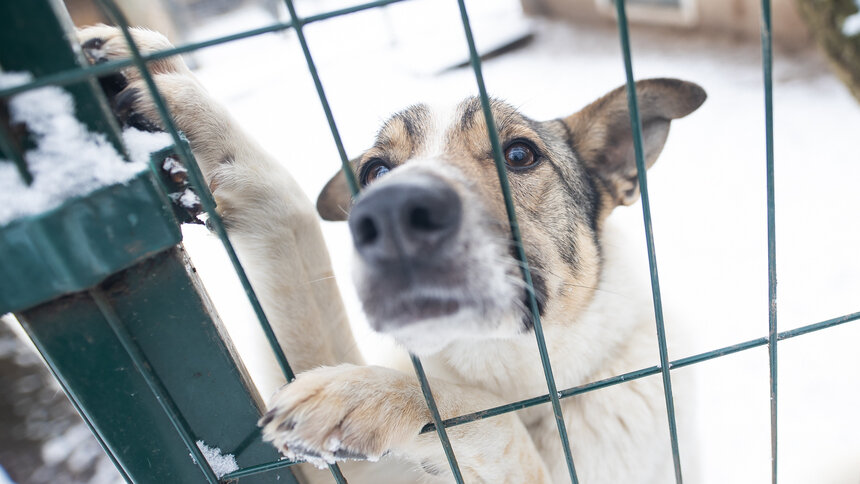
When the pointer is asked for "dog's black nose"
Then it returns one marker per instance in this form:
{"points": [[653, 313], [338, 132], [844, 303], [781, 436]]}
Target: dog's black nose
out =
{"points": [[405, 221]]}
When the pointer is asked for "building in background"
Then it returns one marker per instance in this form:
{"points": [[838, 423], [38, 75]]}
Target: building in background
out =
{"points": [[739, 19]]}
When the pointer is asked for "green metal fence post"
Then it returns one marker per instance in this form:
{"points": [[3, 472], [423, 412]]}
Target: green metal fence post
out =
{"points": [[117, 311], [158, 307], [196, 179]]}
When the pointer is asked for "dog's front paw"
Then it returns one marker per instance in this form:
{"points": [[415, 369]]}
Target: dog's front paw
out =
{"points": [[126, 90], [345, 412], [103, 43]]}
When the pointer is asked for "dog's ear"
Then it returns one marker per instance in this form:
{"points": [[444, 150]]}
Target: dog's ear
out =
{"points": [[335, 199], [602, 137]]}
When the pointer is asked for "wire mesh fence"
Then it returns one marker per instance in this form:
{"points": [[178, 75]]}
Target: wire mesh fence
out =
{"points": [[89, 73]]}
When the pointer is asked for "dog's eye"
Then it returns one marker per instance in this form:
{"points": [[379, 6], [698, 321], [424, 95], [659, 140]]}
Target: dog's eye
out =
{"points": [[376, 168], [519, 155]]}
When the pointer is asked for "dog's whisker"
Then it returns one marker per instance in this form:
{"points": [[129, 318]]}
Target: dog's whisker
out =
{"points": [[321, 279], [597, 289]]}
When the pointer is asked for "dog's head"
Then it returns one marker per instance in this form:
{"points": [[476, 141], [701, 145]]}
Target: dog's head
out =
{"points": [[435, 258]]}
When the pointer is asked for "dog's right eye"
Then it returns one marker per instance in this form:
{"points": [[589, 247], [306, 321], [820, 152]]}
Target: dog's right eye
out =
{"points": [[520, 155], [374, 169]]}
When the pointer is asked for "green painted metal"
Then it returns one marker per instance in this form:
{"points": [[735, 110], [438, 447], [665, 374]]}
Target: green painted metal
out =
{"points": [[113, 12], [160, 308], [144, 368], [44, 43], [437, 419], [78, 74], [354, 188], [197, 181], [259, 469], [55, 61], [767, 68], [83, 241], [641, 169], [347, 170], [131, 322], [348, 10], [69, 76], [653, 370], [70, 393], [498, 158]]}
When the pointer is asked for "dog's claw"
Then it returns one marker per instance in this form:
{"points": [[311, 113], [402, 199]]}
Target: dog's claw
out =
{"points": [[349, 455], [329, 414], [94, 43], [124, 108], [102, 44], [92, 50], [267, 418], [125, 101]]}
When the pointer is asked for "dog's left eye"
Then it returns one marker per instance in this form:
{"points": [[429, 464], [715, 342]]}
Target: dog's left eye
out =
{"points": [[373, 170], [519, 155]]}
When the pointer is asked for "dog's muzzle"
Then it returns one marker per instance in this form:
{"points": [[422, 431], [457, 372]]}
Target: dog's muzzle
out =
{"points": [[406, 223], [429, 270]]}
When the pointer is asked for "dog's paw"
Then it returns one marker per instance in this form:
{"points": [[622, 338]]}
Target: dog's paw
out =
{"points": [[126, 90], [103, 43], [345, 412]]}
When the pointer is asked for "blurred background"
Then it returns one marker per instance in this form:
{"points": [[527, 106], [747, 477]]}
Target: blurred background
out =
{"points": [[550, 58]]}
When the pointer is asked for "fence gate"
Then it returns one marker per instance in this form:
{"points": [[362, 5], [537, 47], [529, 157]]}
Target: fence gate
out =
{"points": [[103, 287]]}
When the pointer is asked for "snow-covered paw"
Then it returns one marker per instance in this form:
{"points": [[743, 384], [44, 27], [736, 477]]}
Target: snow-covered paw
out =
{"points": [[345, 412]]}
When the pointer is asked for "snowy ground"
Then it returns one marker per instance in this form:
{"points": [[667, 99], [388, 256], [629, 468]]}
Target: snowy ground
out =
{"points": [[708, 196]]}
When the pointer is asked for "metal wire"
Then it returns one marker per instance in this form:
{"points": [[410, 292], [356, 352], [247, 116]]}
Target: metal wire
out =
{"points": [[641, 169], [437, 419], [347, 170], [517, 240], [607, 382], [110, 67], [767, 67], [195, 176], [644, 372], [554, 396], [91, 72], [354, 188], [258, 469]]}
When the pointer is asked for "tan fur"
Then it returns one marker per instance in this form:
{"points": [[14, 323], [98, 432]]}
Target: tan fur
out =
{"points": [[599, 129], [254, 195], [598, 322]]}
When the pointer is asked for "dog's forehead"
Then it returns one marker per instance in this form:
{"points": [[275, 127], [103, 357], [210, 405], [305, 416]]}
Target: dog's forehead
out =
{"points": [[429, 129]]}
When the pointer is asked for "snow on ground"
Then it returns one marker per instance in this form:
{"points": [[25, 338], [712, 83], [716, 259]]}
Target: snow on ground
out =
{"points": [[708, 199]]}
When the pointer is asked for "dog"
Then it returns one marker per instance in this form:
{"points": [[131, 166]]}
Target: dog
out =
{"points": [[436, 270]]}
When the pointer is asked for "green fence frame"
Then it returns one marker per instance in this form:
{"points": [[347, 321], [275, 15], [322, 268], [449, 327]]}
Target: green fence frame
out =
{"points": [[75, 75]]}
